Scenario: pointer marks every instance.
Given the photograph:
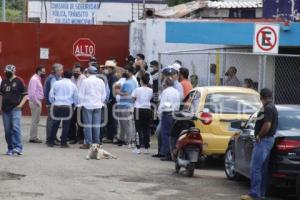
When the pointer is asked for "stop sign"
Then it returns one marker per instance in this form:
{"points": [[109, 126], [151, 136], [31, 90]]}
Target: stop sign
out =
{"points": [[83, 49]]}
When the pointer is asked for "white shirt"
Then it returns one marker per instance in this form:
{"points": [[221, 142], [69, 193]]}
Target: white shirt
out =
{"points": [[63, 92], [92, 93], [169, 100], [143, 96], [79, 80]]}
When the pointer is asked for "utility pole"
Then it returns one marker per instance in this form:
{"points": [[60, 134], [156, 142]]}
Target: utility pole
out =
{"points": [[25, 11], [4, 10], [144, 9]]}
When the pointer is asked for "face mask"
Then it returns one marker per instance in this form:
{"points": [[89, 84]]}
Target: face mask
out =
{"points": [[8, 75], [42, 75], [106, 71], [76, 75]]}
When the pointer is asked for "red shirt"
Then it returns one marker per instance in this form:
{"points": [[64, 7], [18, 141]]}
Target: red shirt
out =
{"points": [[187, 87]]}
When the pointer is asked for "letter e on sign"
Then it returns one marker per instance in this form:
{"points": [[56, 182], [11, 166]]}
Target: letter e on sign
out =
{"points": [[83, 49], [266, 39]]}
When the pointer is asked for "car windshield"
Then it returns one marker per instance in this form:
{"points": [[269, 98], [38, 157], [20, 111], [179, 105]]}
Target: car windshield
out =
{"points": [[232, 103], [289, 120]]}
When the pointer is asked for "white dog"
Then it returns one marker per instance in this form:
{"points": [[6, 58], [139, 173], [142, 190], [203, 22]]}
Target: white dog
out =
{"points": [[96, 152]]}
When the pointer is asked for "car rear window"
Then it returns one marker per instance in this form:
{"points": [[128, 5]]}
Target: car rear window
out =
{"points": [[289, 120], [232, 103]]}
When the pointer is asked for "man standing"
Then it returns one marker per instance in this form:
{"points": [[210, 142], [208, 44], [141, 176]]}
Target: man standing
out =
{"points": [[213, 71], [169, 102], [13, 96], [56, 74], [265, 129], [111, 128], [183, 78], [35, 96], [63, 96], [76, 130], [232, 79], [92, 95], [125, 108]]}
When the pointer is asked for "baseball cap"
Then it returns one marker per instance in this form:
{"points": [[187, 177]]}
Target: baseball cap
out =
{"points": [[92, 70], [10, 68], [266, 93], [176, 66], [168, 71]]}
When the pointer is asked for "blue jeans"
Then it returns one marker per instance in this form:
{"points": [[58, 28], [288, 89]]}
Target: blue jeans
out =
{"points": [[166, 125], [12, 128], [91, 124], [259, 166], [158, 134]]}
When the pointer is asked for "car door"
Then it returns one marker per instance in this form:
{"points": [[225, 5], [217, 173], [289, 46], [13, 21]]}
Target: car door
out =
{"points": [[239, 152], [248, 139]]}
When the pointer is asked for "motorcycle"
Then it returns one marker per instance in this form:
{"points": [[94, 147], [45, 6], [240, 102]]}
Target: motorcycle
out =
{"points": [[189, 144]]}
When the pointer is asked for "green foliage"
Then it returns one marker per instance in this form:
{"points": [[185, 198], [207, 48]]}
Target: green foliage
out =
{"points": [[14, 10]]}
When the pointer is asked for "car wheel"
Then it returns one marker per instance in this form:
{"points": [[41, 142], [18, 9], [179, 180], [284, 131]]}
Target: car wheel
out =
{"points": [[190, 169], [298, 187], [230, 172], [177, 167]]}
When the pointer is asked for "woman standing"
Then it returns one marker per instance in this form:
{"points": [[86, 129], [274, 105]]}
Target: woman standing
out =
{"points": [[142, 96]]}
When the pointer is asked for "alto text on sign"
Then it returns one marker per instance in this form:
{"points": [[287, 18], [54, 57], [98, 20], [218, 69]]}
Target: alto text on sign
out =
{"points": [[266, 39], [83, 49]]}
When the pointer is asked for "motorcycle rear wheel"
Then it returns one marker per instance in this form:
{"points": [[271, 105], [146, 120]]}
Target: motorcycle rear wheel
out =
{"points": [[190, 169], [177, 167]]}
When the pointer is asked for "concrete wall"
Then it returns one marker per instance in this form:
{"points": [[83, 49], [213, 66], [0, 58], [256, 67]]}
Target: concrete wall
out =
{"points": [[104, 12]]}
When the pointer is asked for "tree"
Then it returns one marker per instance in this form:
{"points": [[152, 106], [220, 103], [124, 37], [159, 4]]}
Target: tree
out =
{"points": [[14, 10]]}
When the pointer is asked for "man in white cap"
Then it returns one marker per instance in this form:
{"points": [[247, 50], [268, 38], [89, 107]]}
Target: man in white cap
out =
{"points": [[92, 95], [13, 96]]}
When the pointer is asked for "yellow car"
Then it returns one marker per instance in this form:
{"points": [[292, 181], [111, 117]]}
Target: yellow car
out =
{"points": [[215, 108]]}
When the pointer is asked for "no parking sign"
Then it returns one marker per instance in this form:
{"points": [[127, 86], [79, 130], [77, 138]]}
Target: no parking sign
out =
{"points": [[266, 38]]}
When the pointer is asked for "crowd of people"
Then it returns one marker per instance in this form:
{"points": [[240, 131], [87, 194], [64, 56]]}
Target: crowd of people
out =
{"points": [[100, 103], [108, 104]]}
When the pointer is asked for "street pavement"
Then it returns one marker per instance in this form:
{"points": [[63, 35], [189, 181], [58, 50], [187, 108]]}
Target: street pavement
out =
{"points": [[44, 173]]}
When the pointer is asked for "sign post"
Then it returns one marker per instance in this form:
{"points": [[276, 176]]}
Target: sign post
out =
{"points": [[83, 49], [266, 39]]}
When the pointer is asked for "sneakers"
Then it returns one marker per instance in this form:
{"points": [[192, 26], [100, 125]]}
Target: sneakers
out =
{"points": [[248, 197], [35, 141], [14, 151], [9, 153], [84, 146], [136, 151], [146, 151], [18, 152]]}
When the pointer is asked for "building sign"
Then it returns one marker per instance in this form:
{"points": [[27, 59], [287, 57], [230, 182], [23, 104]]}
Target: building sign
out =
{"points": [[83, 49], [266, 39], [73, 12], [44, 53]]}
